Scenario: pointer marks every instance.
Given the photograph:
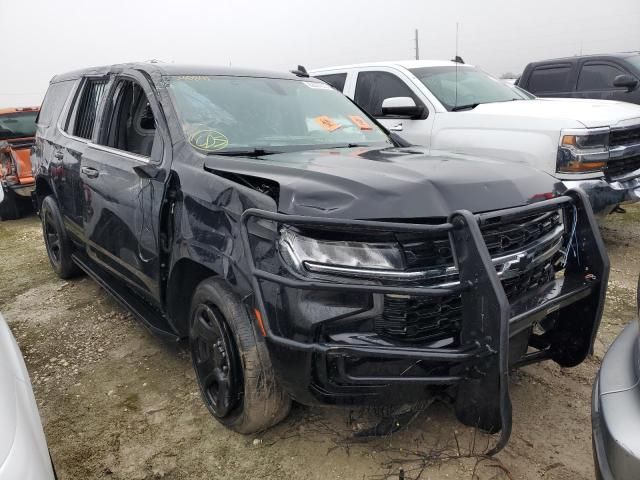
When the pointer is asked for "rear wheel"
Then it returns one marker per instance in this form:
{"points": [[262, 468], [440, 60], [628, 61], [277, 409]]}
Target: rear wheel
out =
{"points": [[232, 365], [57, 242]]}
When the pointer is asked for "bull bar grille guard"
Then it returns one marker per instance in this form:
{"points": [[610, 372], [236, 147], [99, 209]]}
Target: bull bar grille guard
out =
{"points": [[481, 362]]}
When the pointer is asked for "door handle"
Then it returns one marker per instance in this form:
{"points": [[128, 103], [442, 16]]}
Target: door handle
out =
{"points": [[90, 172], [396, 128], [59, 154]]}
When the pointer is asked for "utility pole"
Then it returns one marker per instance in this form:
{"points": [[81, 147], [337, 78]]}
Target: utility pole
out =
{"points": [[417, 46]]}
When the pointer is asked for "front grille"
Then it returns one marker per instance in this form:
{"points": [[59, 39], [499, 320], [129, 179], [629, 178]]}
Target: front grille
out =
{"points": [[420, 319], [514, 236], [501, 239], [622, 166], [627, 136]]}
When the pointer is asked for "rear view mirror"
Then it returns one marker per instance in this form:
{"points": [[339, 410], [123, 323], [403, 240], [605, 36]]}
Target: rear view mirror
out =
{"points": [[401, 107], [625, 81]]}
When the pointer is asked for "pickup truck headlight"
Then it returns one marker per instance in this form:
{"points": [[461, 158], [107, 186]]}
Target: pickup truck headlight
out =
{"points": [[339, 257], [583, 150]]}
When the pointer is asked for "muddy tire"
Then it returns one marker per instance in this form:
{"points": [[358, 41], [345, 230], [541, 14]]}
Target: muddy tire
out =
{"points": [[231, 362], [9, 208], [56, 241]]}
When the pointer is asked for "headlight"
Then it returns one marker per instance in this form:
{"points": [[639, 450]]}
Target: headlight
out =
{"points": [[583, 150], [306, 254]]}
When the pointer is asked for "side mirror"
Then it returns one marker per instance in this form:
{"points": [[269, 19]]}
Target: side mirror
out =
{"points": [[625, 81], [401, 107]]}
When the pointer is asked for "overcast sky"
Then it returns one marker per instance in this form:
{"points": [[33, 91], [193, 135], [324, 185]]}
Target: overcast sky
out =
{"points": [[43, 37]]}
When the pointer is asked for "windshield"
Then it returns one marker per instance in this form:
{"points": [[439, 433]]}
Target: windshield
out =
{"points": [[17, 125], [468, 87], [221, 114]]}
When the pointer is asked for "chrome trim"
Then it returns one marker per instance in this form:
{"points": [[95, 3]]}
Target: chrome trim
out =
{"points": [[122, 153], [507, 266]]}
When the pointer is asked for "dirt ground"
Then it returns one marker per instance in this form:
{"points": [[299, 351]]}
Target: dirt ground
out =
{"points": [[118, 403]]}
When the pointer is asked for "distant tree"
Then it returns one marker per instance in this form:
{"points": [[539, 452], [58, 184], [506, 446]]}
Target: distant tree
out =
{"points": [[509, 75]]}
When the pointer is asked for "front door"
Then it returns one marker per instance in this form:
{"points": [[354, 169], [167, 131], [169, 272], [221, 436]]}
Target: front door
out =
{"points": [[374, 86], [124, 183]]}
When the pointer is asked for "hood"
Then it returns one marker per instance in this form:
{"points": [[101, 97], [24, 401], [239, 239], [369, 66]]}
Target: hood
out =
{"points": [[11, 371], [590, 113], [393, 183]]}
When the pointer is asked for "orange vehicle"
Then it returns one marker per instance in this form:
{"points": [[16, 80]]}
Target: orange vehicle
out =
{"points": [[17, 132]]}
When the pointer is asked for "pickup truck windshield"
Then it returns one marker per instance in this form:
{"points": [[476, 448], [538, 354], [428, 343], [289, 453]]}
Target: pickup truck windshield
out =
{"points": [[226, 115], [467, 88], [17, 125]]}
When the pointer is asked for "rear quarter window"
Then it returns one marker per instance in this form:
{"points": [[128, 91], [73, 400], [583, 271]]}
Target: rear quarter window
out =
{"points": [[53, 103], [550, 78]]}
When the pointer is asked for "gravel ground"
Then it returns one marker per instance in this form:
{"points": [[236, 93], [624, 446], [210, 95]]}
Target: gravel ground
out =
{"points": [[118, 403]]}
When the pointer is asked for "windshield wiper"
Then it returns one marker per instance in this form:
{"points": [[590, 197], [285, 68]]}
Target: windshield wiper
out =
{"points": [[470, 106], [352, 145], [249, 152]]}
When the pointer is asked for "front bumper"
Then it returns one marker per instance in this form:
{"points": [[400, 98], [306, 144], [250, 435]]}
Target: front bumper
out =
{"points": [[315, 366], [605, 196], [616, 409]]}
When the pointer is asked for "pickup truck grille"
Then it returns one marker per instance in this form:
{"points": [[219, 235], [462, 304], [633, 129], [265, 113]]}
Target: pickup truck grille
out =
{"points": [[423, 319], [622, 166], [626, 136]]}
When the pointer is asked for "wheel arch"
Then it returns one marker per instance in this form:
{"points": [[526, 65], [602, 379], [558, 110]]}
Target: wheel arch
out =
{"points": [[43, 189], [185, 276]]}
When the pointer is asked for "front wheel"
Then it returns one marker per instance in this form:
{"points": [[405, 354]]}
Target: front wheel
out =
{"points": [[57, 242], [232, 365]]}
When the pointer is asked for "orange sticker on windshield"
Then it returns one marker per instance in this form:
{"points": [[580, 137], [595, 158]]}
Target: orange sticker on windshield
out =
{"points": [[326, 123], [360, 122]]}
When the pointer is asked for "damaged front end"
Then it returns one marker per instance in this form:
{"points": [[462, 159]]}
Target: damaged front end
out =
{"points": [[360, 311]]}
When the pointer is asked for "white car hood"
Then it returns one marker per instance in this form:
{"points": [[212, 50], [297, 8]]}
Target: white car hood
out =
{"points": [[9, 372], [590, 113]]}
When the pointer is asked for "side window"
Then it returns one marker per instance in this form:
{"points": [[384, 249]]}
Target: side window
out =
{"points": [[86, 108], [53, 102], [336, 80], [130, 125], [554, 78], [598, 76], [372, 88]]}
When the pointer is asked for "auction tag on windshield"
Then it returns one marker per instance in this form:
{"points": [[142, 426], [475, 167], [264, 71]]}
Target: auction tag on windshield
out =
{"points": [[326, 123], [360, 122]]}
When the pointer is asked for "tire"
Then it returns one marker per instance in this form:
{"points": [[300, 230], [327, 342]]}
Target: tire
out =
{"points": [[231, 362], [9, 208], [56, 240]]}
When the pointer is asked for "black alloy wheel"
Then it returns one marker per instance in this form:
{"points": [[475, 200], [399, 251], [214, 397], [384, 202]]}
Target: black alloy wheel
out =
{"points": [[215, 361], [51, 237]]}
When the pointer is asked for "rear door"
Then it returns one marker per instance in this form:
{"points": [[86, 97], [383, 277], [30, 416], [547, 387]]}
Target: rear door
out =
{"points": [[595, 80], [552, 80], [374, 85], [124, 181], [77, 131]]}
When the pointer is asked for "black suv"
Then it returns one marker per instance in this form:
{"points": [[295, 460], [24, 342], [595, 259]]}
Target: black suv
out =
{"points": [[304, 251], [605, 77]]}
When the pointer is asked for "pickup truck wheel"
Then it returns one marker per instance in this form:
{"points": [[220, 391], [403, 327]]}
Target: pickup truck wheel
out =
{"points": [[232, 365], [56, 240], [9, 208]]}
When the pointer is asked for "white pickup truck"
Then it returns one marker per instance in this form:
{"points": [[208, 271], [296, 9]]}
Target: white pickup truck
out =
{"points": [[442, 105]]}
